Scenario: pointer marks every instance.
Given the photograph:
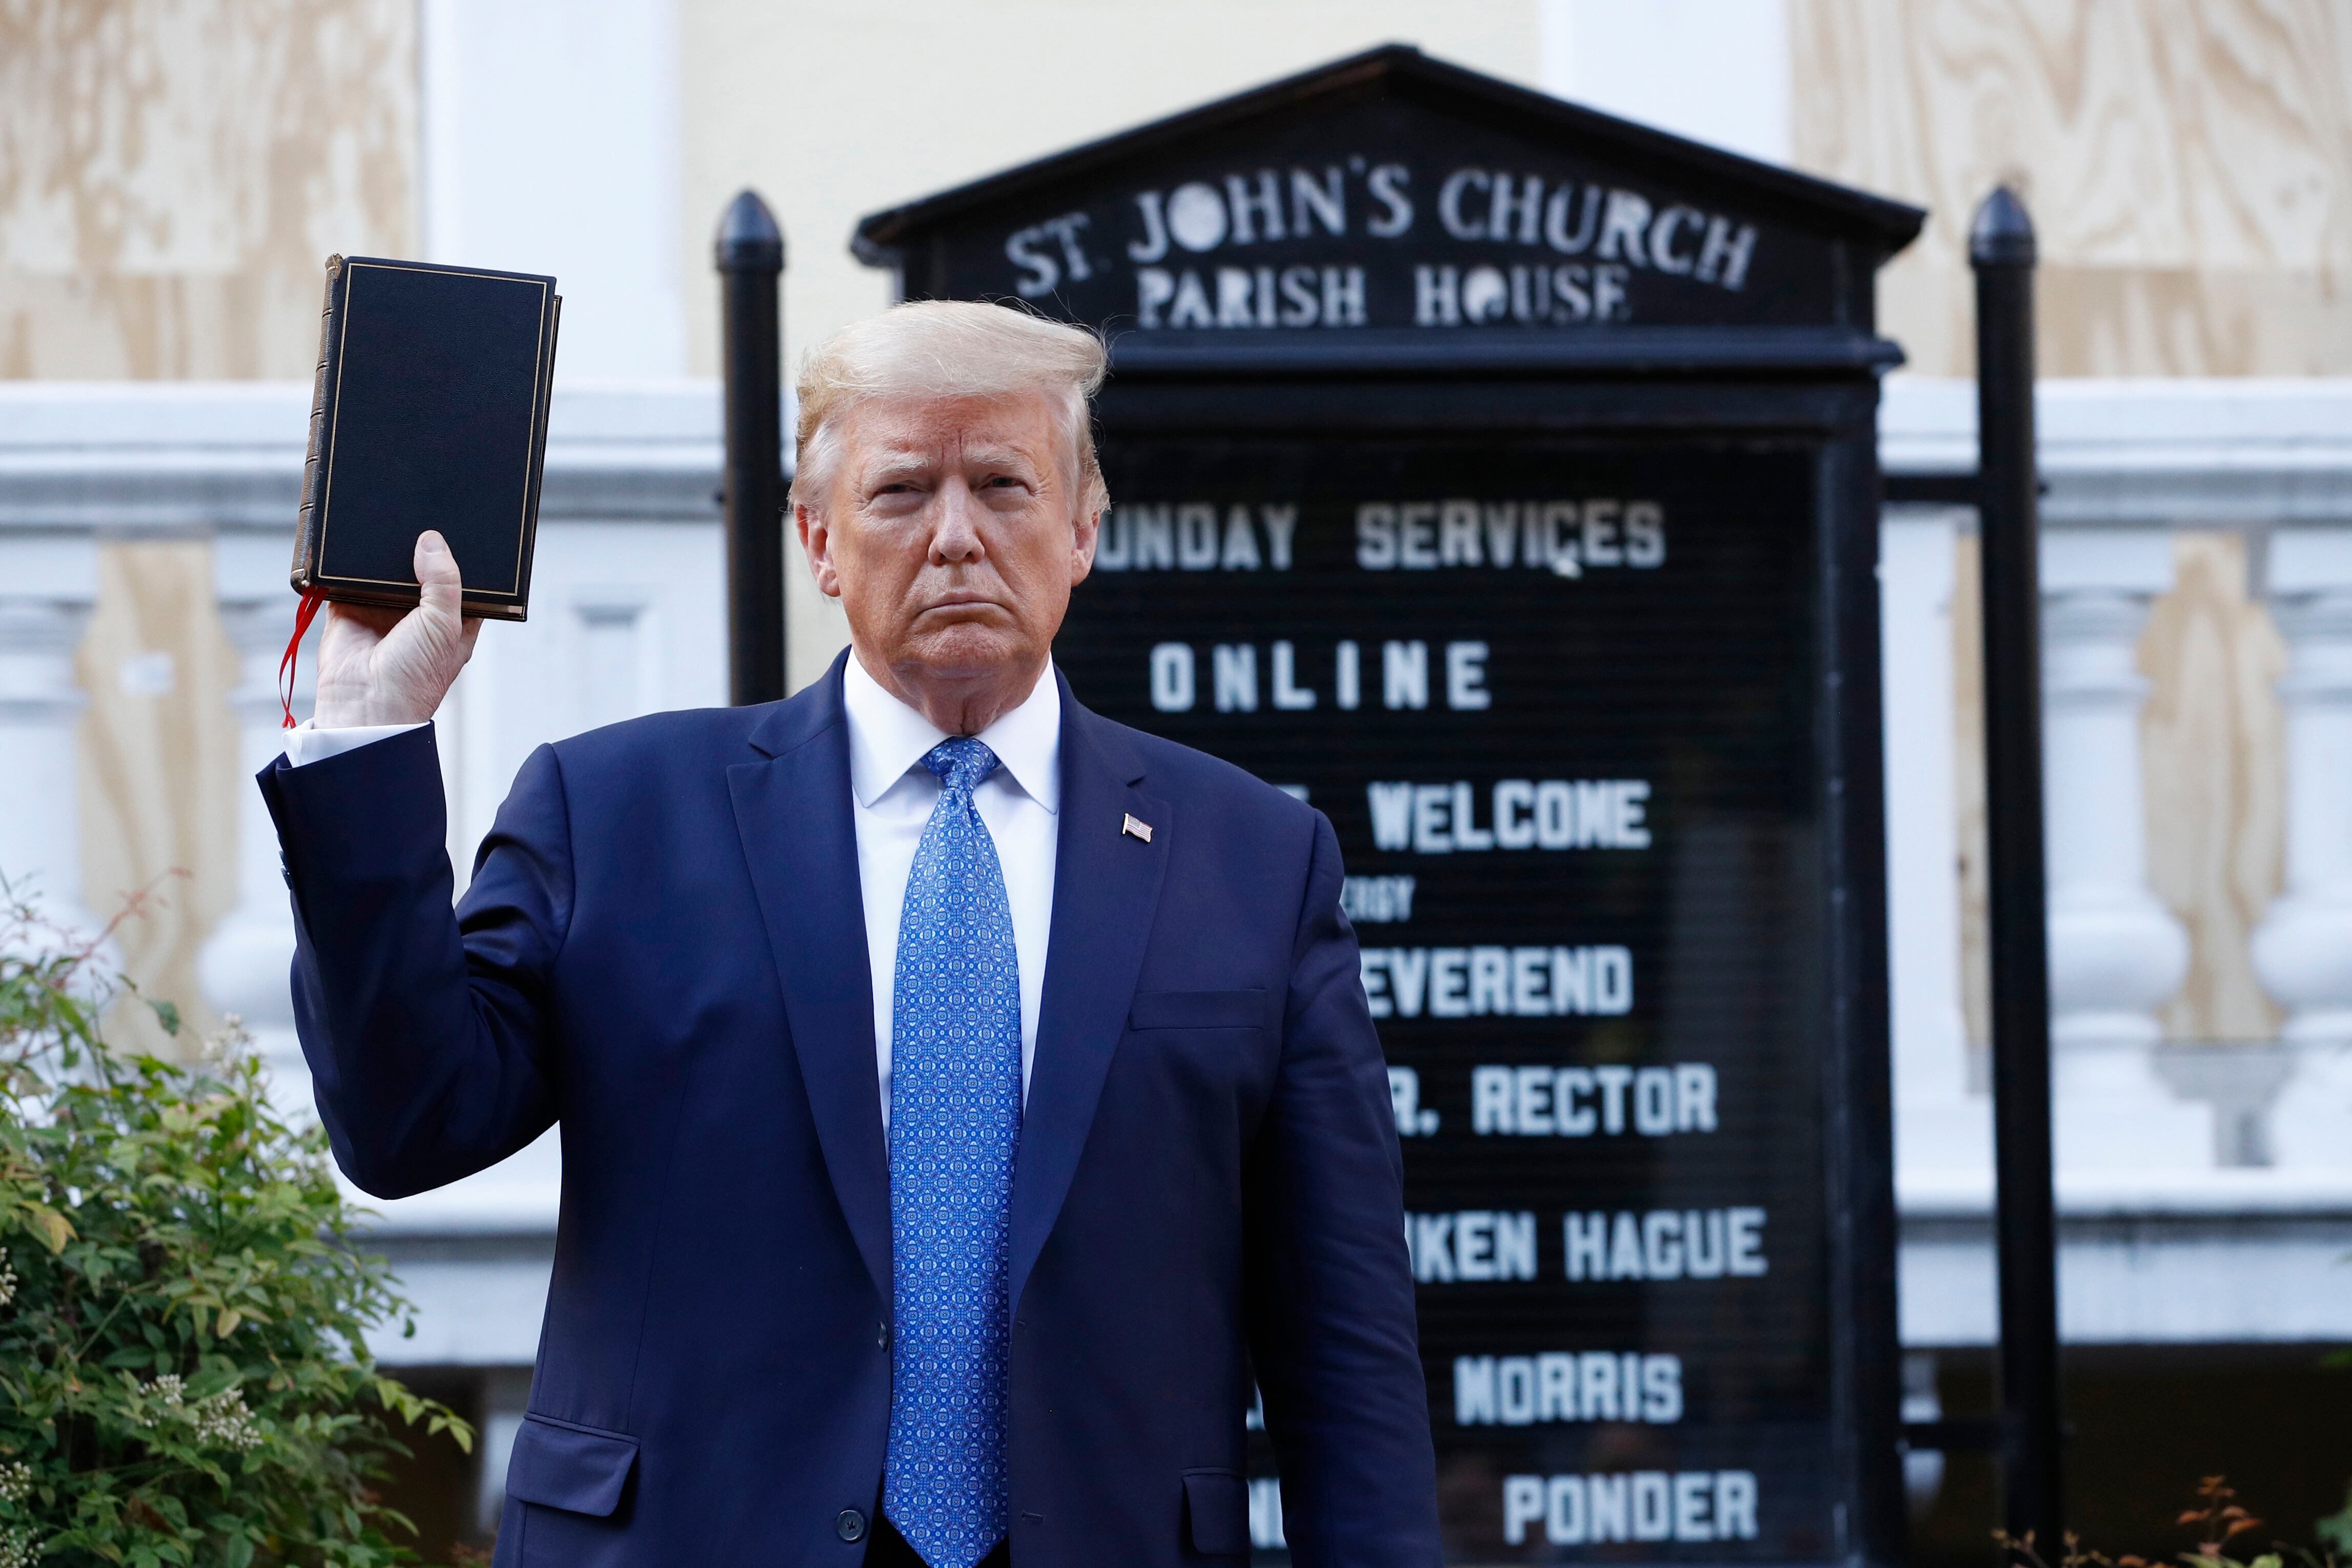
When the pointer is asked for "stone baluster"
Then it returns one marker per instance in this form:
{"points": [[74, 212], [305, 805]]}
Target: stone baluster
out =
{"points": [[2116, 953], [40, 704], [1943, 1129], [2303, 949], [244, 965]]}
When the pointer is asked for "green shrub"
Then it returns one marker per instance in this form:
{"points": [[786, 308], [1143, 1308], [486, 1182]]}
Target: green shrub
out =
{"points": [[183, 1374]]}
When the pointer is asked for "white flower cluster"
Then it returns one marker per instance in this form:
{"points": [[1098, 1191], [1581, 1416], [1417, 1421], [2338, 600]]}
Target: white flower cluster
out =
{"points": [[224, 1049], [222, 1419], [7, 1279], [16, 1545]]}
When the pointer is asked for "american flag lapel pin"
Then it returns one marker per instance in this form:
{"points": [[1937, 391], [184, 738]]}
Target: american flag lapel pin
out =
{"points": [[1142, 830]]}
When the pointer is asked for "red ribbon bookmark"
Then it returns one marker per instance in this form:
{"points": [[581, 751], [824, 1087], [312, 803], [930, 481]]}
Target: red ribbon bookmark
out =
{"points": [[302, 619]]}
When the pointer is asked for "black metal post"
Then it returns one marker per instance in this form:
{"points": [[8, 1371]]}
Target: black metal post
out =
{"points": [[2002, 250], [750, 259]]}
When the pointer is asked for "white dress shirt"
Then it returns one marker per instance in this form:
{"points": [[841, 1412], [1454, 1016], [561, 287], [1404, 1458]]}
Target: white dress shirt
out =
{"points": [[310, 744], [891, 797]]}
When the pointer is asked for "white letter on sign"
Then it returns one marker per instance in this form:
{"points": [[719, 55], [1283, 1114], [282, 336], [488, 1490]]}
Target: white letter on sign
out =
{"points": [[1171, 677]]}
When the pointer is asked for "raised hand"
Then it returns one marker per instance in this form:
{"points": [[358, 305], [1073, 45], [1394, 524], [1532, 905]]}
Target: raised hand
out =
{"points": [[394, 666]]}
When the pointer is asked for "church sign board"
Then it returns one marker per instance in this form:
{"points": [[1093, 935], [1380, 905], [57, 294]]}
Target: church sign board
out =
{"points": [[1501, 478]]}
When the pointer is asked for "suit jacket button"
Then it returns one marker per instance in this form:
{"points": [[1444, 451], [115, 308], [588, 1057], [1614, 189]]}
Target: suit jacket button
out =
{"points": [[850, 1525], [882, 1337]]}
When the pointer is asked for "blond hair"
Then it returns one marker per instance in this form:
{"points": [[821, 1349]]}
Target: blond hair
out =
{"points": [[947, 349]]}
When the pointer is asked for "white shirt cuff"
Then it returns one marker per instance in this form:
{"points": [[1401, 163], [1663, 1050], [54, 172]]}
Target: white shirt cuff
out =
{"points": [[307, 745]]}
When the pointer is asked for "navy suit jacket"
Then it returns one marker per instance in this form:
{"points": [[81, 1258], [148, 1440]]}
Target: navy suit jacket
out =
{"points": [[662, 950]]}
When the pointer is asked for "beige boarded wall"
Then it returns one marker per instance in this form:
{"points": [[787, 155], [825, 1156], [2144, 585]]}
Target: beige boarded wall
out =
{"points": [[174, 173], [2189, 165]]}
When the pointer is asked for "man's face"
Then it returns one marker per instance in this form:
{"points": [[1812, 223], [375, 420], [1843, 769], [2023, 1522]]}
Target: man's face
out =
{"points": [[953, 532]]}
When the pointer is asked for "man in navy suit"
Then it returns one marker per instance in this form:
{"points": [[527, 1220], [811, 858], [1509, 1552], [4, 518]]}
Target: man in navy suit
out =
{"points": [[964, 1097]]}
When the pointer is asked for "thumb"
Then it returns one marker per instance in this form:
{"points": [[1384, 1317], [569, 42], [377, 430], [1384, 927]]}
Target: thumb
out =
{"points": [[437, 574]]}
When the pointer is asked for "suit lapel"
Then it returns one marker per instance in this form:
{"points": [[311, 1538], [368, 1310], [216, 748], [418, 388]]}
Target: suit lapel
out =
{"points": [[1106, 892], [800, 841]]}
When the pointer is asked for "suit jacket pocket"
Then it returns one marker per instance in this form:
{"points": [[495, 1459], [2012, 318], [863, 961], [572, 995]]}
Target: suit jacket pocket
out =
{"points": [[1201, 1009], [1216, 1512], [581, 1470]]}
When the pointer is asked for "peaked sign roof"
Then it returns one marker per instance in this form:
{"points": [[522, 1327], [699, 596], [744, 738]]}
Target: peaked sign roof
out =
{"points": [[1391, 196]]}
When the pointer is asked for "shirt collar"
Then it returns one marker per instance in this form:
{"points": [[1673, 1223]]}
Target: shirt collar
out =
{"points": [[887, 737]]}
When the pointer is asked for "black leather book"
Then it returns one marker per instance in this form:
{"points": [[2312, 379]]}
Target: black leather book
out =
{"points": [[430, 411]]}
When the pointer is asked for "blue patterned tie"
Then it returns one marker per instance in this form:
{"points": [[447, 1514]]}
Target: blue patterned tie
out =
{"points": [[955, 1119]]}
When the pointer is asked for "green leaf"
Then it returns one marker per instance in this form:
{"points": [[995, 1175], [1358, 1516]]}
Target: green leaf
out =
{"points": [[168, 1015], [50, 1226], [213, 1381]]}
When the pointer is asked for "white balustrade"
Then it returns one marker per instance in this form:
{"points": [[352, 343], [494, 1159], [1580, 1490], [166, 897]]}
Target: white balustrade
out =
{"points": [[625, 618], [2116, 953]]}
